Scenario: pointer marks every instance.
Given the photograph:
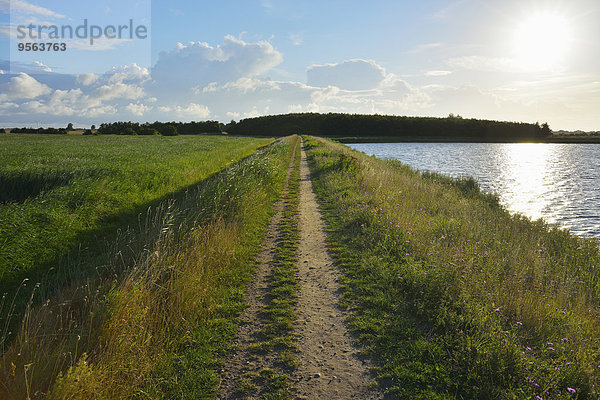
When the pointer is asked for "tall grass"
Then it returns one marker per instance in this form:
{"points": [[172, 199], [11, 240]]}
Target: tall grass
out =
{"points": [[54, 190], [275, 341], [454, 296], [62, 197], [158, 323]]}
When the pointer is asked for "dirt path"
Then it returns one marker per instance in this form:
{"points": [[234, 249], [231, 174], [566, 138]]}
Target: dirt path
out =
{"points": [[329, 368], [328, 365], [243, 360]]}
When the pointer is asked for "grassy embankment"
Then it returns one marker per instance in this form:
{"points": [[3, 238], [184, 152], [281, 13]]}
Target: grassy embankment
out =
{"points": [[453, 296], [158, 323]]}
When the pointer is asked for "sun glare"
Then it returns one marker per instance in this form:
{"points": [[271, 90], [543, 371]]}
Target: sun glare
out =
{"points": [[542, 41]]}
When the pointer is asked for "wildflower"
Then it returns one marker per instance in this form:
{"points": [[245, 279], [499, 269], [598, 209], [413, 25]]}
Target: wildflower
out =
{"points": [[408, 254], [363, 225], [443, 237], [519, 323], [497, 310], [539, 398], [571, 390], [550, 343], [528, 348], [564, 340]]}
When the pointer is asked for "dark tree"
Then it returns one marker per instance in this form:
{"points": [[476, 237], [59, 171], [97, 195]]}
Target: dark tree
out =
{"points": [[545, 130], [169, 130]]}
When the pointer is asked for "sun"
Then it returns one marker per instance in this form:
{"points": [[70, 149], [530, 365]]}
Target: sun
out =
{"points": [[542, 40]]}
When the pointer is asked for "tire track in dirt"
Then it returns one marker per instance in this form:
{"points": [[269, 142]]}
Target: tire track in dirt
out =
{"points": [[256, 296], [329, 367]]}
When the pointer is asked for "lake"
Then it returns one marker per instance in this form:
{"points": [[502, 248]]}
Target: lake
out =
{"points": [[557, 182]]}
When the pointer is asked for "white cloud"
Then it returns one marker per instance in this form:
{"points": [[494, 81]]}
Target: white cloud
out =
{"points": [[95, 112], [20, 6], [137, 109], [8, 108], [296, 39], [42, 66], [197, 64], [438, 73], [230, 79], [243, 85], [87, 79], [350, 75], [118, 91], [190, 111], [23, 86], [128, 73], [5, 30]]}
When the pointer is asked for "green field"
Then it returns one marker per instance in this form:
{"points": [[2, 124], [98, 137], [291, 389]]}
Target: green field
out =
{"points": [[452, 296], [138, 251], [61, 193], [167, 286]]}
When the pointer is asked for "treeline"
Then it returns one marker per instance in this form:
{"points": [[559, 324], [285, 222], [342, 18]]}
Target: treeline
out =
{"points": [[47, 131], [162, 128], [356, 125]]}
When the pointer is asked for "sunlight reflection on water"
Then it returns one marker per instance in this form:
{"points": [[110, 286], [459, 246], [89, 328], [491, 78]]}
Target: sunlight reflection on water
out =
{"points": [[557, 182]]}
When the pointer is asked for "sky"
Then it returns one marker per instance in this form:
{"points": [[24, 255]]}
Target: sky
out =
{"points": [[513, 60]]}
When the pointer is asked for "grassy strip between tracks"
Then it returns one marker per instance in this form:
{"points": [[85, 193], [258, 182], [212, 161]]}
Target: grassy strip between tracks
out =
{"points": [[276, 339], [159, 327], [450, 294]]}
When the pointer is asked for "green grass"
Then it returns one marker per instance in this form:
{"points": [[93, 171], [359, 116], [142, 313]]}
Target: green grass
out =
{"points": [[454, 297], [54, 189], [158, 325], [63, 196], [276, 341]]}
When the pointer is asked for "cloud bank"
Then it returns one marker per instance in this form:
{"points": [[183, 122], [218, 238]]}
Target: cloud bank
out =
{"points": [[199, 81]]}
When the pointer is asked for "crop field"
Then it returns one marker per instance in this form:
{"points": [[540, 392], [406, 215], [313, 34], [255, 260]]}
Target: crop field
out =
{"points": [[153, 236], [59, 193]]}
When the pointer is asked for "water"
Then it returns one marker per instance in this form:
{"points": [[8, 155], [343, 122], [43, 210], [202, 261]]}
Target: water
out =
{"points": [[557, 182]]}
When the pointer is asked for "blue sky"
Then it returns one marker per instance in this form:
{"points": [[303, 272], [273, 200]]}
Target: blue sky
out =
{"points": [[525, 60]]}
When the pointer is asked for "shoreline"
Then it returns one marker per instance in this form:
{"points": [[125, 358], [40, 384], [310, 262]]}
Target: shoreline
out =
{"points": [[388, 139]]}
